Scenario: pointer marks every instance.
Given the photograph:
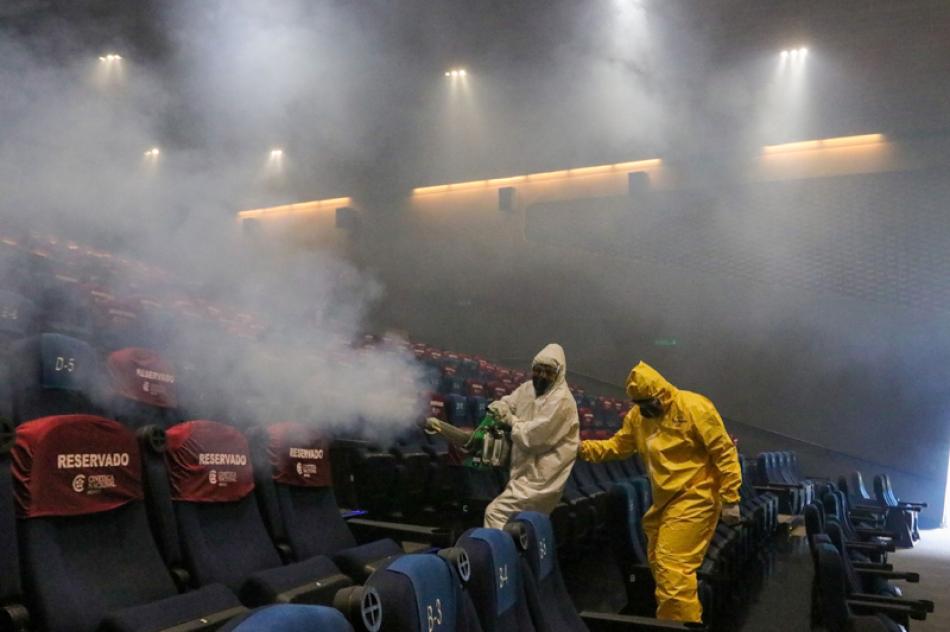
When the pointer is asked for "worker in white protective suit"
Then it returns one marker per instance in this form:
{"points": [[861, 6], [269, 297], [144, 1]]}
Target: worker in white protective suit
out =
{"points": [[545, 433]]}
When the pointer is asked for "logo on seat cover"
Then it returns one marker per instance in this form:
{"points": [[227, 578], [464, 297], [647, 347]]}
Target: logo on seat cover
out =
{"points": [[371, 610], [213, 477], [79, 483]]}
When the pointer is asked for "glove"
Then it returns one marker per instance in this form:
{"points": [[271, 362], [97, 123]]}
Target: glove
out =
{"points": [[582, 452], [501, 411], [731, 515], [432, 426]]}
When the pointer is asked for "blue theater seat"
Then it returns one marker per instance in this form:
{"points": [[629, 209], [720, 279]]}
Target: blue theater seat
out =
{"points": [[88, 559], [200, 487], [63, 308], [497, 583], [415, 592], [294, 484], [16, 316], [842, 605], [548, 601], [289, 618], [53, 374], [457, 410]]}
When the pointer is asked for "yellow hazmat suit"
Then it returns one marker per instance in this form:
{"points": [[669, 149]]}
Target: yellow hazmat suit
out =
{"points": [[693, 467], [545, 435]]}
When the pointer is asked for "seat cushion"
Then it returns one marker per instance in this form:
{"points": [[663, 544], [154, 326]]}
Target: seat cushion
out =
{"points": [[314, 580], [206, 602]]}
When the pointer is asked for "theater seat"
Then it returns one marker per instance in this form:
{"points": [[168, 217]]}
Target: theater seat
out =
{"points": [[53, 374], [289, 618], [205, 485], [841, 603], [142, 388], [294, 483], [414, 592], [13, 614], [87, 555], [16, 317], [548, 601], [497, 581], [457, 410], [628, 546]]}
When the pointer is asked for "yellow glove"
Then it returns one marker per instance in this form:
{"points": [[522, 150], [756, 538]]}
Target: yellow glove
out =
{"points": [[583, 451]]}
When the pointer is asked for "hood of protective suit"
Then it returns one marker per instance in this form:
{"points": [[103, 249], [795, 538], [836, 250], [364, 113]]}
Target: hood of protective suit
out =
{"points": [[553, 354], [645, 382]]}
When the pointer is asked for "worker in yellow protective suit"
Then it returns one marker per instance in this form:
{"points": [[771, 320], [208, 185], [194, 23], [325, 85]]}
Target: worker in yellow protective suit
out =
{"points": [[694, 472]]}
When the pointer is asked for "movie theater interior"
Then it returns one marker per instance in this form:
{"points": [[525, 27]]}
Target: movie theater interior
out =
{"points": [[474, 315]]}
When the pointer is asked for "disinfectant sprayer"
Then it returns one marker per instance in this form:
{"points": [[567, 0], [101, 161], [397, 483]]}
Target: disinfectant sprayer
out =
{"points": [[489, 445]]}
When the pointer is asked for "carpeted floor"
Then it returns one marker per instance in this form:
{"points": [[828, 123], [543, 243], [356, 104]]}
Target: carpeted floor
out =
{"points": [[931, 558]]}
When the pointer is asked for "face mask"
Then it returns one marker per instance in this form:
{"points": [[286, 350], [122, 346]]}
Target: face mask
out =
{"points": [[650, 410], [541, 385]]}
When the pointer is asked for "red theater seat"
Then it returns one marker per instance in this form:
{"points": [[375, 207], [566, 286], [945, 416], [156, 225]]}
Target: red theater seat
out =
{"points": [[203, 482], [88, 557]]}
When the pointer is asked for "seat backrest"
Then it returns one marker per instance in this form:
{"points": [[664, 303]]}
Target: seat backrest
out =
{"points": [[766, 469], [645, 492], [289, 618], [582, 474], [600, 474], [624, 526], [417, 593], [456, 410], [496, 585], [294, 484], [615, 471], [832, 588], [548, 600], [892, 498], [785, 467], [832, 504], [10, 586], [64, 308], [16, 316], [836, 534], [883, 490], [82, 521], [211, 480], [53, 375], [845, 486], [477, 407], [142, 388]]}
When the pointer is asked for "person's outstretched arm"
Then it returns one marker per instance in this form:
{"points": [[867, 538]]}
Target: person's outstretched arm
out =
{"points": [[620, 446]]}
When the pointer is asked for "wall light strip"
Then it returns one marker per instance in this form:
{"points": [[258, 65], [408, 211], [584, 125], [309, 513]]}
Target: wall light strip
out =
{"points": [[825, 143], [300, 207], [539, 177]]}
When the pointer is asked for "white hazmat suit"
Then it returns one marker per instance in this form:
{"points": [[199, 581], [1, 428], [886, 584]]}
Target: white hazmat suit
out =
{"points": [[544, 439]]}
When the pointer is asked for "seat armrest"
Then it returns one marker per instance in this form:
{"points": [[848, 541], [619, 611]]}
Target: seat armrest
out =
{"points": [[873, 547], [912, 578], [924, 605], [874, 533], [898, 612], [872, 566]]}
